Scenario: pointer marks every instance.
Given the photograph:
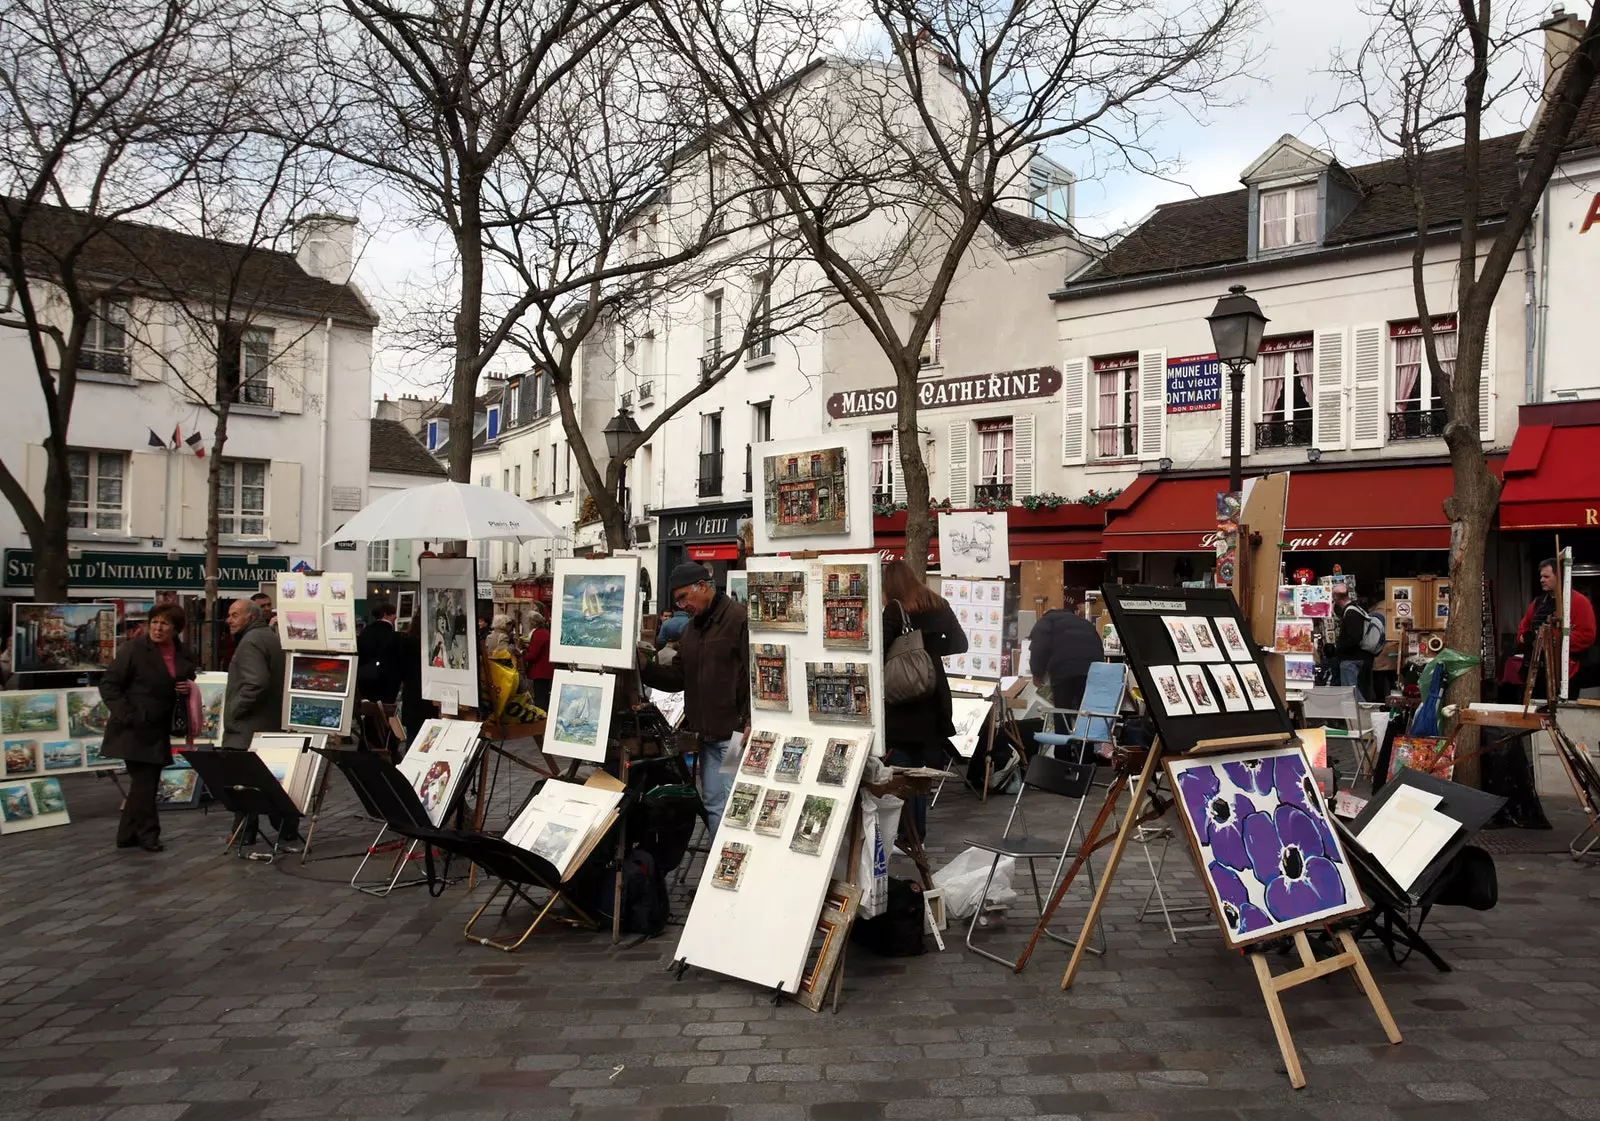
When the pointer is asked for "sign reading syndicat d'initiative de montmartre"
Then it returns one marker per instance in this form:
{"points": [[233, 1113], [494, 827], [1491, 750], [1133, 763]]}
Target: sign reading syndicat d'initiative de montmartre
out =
{"points": [[147, 571]]}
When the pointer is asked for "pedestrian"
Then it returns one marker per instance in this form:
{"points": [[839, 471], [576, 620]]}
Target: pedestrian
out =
{"points": [[264, 602], [1061, 648], [671, 628], [378, 669], [414, 710], [1545, 605], [150, 677], [710, 669], [536, 665], [253, 701], [1354, 665], [917, 733]]}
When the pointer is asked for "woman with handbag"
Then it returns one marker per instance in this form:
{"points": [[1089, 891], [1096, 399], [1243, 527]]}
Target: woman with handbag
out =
{"points": [[916, 710], [147, 691]]}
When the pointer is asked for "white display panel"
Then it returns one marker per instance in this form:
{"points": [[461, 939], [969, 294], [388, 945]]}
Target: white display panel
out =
{"points": [[761, 932], [815, 470]]}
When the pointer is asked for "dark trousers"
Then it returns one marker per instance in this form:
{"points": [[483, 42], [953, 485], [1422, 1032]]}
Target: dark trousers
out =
{"points": [[540, 688], [140, 824], [911, 755]]}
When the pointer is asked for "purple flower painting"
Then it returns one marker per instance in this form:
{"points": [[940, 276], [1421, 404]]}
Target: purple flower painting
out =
{"points": [[1263, 837]]}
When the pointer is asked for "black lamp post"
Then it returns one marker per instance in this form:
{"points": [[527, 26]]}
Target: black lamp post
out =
{"points": [[619, 432], [1236, 328]]}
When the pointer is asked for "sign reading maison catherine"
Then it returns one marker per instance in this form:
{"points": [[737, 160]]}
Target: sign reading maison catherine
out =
{"points": [[949, 393], [1194, 384], [148, 571]]}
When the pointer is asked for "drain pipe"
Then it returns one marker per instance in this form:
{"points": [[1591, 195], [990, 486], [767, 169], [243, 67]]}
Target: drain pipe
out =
{"points": [[322, 440], [1542, 320]]}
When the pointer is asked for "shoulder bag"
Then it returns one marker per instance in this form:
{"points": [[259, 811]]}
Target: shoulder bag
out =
{"points": [[908, 671]]}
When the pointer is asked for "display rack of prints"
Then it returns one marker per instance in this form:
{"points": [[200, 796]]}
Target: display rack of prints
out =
{"points": [[319, 693], [437, 763], [795, 782], [595, 612], [448, 603], [980, 608], [812, 494], [53, 732]]}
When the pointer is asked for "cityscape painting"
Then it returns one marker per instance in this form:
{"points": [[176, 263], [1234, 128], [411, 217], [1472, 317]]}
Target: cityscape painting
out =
{"points": [[805, 493]]}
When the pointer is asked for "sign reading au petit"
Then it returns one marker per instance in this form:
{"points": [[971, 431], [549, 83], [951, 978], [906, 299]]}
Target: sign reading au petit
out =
{"points": [[949, 393]]}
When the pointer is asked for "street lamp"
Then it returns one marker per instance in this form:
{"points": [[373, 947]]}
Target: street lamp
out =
{"points": [[619, 432], [1236, 328]]}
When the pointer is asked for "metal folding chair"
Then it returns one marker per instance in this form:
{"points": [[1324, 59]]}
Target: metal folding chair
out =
{"points": [[1061, 778], [1343, 704], [1095, 718]]}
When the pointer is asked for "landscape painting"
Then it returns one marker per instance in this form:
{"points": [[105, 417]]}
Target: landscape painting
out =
{"points": [[579, 721], [213, 692], [180, 786], [314, 673], [596, 612], [24, 713], [86, 713], [315, 713]]}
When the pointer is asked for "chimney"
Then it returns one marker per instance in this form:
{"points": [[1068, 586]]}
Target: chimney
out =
{"points": [[326, 248], [1561, 34]]}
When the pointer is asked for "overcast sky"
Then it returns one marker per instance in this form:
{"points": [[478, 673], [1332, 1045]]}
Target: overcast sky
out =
{"points": [[1292, 92]]}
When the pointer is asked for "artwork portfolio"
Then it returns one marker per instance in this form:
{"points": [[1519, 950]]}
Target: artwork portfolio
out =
{"points": [[579, 720], [62, 636], [769, 675], [805, 493], [449, 637], [596, 612], [839, 691], [1265, 843], [844, 606], [974, 544], [777, 600], [438, 762]]}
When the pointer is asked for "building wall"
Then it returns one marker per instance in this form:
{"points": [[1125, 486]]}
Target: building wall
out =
{"points": [[1566, 295]]}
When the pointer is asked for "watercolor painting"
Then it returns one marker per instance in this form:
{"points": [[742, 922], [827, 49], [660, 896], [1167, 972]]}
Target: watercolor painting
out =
{"points": [[777, 600], [1169, 688], [1293, 636], [769, 819], [730, 866], [592, 611], [806, 493], [815, 813], [741, 809], [579, 725], [595, 620]]}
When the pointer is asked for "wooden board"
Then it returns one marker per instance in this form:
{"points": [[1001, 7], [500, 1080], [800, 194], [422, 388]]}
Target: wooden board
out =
{"points": [[1263, 514], [1040, 586]]}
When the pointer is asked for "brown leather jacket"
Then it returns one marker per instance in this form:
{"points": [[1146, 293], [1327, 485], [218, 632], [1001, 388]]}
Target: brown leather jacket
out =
{"points": [[712, 671]]}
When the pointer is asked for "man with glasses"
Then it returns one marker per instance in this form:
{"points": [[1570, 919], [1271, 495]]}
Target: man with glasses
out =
{"points": [[709, 668]]}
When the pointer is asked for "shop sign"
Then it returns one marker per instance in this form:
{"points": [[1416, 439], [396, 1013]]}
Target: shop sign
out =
{"points": [[1194, 384], [522, 591], [680, 528], [949, 393], [1593, 216], [148, 570]]}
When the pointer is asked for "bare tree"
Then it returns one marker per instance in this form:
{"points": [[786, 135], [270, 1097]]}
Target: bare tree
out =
{"points": [[1429, 77], [107, 110], [887, 167]]}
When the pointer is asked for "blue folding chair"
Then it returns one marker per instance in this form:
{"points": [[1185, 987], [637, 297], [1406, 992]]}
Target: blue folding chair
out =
{"points": [[1094, 720]]}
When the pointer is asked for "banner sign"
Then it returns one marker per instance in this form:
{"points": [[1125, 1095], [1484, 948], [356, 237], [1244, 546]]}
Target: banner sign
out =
{"points": [[950, 393], [1194, 384], [148, 570]]}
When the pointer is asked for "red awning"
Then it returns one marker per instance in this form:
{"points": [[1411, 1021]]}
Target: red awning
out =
{"points": [[1551, 480], [1363, 508], [713, 552]]}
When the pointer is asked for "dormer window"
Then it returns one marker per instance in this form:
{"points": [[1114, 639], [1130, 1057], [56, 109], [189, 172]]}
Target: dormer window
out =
{"points": [[1289, 217]]}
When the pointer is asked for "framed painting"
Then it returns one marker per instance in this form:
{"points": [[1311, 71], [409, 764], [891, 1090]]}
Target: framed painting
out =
{"points": [[317, 712], [50, 637], [213, 695], [813, 493], [595, 612], [1264, 838], [974, 544], [579, 719], [179, 788], [330, 675], [405, 606], [449, 633], [300, 626]]}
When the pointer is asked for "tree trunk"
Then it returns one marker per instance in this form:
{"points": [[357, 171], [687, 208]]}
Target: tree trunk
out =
{"points": [[919, 519], [468, 330], [602, 487], [50, 549], [219, 439]]}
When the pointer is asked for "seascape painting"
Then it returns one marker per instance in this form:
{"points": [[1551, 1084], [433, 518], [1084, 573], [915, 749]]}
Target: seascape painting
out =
{"points": [[592, 612], [86, 713], [94, 757], [579, 723], [62, 755], [22, 713], [578, 714], [595, 612]]}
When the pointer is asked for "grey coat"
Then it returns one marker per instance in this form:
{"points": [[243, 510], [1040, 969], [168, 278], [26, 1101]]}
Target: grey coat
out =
{"points": [[254, 699]]}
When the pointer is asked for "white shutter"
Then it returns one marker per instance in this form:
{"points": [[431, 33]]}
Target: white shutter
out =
{"points": [[1366, 395], [400, 559], [1486, 389], [1327, 390], [1152, 404], [292, 368], [897, 475], [35, 464], [1247, 419], [1074, 412], [283, 501], [192, 489], [147, 329], [147, 494], [1021, 457], [960, 442]]}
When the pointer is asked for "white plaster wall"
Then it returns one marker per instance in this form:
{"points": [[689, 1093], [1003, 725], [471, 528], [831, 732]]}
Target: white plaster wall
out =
{"points": [[1570, 282]]}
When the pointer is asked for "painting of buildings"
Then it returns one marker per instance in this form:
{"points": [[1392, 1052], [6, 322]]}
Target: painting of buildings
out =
{"points": [[805, 493], [844, 606], [777, 600], [769, 676], [839, 691]]}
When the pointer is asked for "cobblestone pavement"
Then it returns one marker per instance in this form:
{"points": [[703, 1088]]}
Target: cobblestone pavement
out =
{"points": [[190, 985]]}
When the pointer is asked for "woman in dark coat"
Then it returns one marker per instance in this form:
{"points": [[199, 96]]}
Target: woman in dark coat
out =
{"points": [[917, 733], [148, 679]]}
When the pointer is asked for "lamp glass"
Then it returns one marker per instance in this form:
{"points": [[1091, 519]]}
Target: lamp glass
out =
{"points": [[618, 430], [1237, 326]]}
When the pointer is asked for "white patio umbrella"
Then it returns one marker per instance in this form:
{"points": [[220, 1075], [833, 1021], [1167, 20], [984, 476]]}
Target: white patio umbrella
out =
{"points": [[447, 512]]}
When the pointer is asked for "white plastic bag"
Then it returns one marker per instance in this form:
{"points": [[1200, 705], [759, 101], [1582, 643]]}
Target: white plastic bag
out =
{"points": [[880, 817], [962, 881]]}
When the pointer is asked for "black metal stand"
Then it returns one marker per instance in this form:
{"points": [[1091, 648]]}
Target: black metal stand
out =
{"points": [[386, 796], [240, 781]]}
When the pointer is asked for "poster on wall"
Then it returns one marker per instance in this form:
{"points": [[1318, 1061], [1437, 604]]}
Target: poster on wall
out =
{"points": [[48, 637], [595, 613], [813, 493], [449, 634], [974, 544]]}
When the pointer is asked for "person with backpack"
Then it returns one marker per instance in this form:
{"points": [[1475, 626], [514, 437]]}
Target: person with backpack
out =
{"points": [[1350, 647]]}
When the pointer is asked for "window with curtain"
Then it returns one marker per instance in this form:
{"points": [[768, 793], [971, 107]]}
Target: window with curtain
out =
{"points": [[1288, 217], [242, 498], [105, 344], [1117, 406], [95, 500], [1285, 378], [1414, 388], [882, 463], [994, 452]]}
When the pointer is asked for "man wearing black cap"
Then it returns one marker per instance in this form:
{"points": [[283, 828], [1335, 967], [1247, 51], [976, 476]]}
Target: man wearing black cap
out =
{"points": [[709, 668]]}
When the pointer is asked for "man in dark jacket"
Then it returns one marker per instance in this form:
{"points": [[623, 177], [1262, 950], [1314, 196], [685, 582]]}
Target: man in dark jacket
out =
{"points": [[710, 668], [1061, 648], [378, 668], [1354, 664], [253, 701]]}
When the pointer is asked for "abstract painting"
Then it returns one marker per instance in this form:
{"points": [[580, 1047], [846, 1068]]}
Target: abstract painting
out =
{"points": [[1436, 757], [50, 637], [579, 720], [449, 586], [1263, 835], [596, 612], [86, 713]]}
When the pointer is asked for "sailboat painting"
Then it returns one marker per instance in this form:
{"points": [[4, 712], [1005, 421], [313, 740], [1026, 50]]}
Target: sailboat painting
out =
{"points": [[580, 715], [596, 612]]}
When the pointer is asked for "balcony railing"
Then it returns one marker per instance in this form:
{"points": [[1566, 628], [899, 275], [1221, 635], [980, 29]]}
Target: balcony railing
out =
{"points": [[1424, 424], [882, 496], [103, 361], [257, 393], [710, 482], [1291, 433], [991, 493], [709, 364]]}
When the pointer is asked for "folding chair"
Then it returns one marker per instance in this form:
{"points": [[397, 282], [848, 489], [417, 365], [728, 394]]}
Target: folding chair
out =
{"points": [[1146, 836], [516, 870], [1095, 719], [1048, 776], [374, 732], [1343, 703]]}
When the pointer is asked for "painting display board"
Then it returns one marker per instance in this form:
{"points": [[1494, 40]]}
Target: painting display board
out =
{"points": [[438, 762], [52, 637], [449, 630], [977, 544], [315, 611], [46, 732], [579, 717], [980, 607], [565, 821], [319, 692], [812, 494], [794, 790], [1164, 632], [1464, 809], [595, 612]]}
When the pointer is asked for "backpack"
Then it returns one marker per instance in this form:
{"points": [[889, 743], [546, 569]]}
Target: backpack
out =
{"points": [[645, 907], [1371, 632], [898, 932]]}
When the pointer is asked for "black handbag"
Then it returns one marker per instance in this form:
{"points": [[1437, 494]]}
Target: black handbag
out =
{"points": [[908, 671]]}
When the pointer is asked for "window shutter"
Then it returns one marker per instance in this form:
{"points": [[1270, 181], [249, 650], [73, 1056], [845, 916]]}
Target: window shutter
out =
{"points": [[1486, 389], [192, 486], [960, 440], [1021, 457], [291, 368], [1327, 390], [147, 327], [897, 475], [283, 502], [400, 559], [1247, 422], [34, 468], [1074, 411], [1366, 395], [147, 488], [1152, 404]]}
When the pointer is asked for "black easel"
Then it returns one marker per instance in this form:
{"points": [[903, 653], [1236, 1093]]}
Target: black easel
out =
{"points": [[240, 781], [386, 796]]}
